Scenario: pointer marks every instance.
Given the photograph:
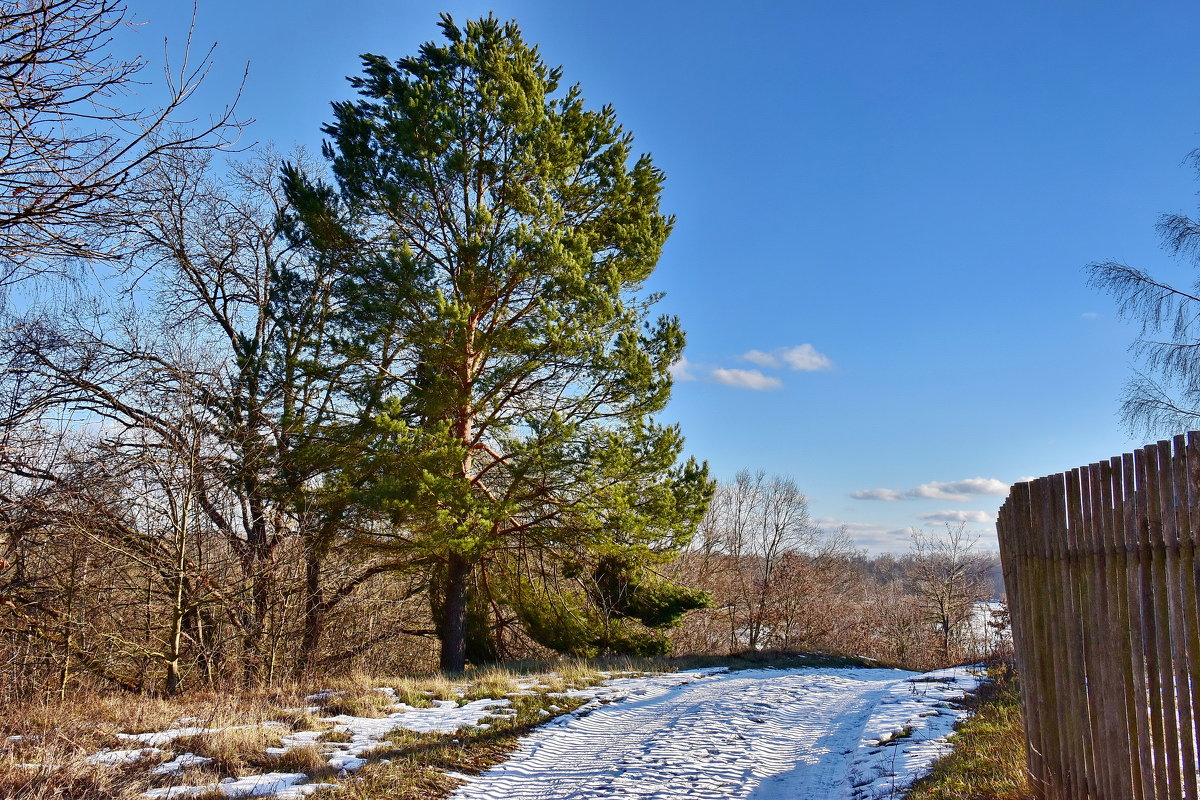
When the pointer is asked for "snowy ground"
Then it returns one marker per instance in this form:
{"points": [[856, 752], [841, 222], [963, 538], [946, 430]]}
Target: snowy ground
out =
{"points": [[811, 733], [803, 734]]}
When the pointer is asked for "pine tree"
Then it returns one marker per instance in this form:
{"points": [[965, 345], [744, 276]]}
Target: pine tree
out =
{"points": [[493, 235]]}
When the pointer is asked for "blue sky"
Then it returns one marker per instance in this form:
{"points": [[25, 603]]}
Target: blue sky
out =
{"points": [[902, 194]]}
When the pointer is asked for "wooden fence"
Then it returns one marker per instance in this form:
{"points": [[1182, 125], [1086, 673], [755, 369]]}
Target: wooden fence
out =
{"points": [[1101, 572]]}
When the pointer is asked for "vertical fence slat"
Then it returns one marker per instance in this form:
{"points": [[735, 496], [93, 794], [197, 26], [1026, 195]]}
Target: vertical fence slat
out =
{"points": [[1015, 557], [1051, 669], [1055, 623], [1133, 509], [1160, 523], [1149, 517], [1075, 599], [1173, 455], [1191, 584], [1106, 736], [1123, 498]]}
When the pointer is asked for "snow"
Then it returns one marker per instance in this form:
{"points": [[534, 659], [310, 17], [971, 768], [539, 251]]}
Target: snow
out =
{"points": [[797, 734], [272, 784], [366, 733], [907, 732], [180, 763], [770, 734], [113, 758], [446, 716]]}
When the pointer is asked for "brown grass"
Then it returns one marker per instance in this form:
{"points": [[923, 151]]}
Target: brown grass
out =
{"points": [[309, 759], [234, 752], [68, 776], [492, 683], [302, 720], [359, 704], [421, 692], [62, 734]]}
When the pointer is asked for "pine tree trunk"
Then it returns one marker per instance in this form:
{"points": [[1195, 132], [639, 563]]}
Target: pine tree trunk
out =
{"points": [[314, 613], [454, 616]]}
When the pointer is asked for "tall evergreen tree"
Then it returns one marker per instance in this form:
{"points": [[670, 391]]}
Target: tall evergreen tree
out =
{"points": [[492, 235]]}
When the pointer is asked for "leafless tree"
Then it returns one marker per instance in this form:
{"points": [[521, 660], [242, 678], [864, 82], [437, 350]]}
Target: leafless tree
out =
{"points": [[197, 366], [949, 579], [766, 564], [73, 153]]}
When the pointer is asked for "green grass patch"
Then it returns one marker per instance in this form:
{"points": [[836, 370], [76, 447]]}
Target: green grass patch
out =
{"points": [[988, 760]]}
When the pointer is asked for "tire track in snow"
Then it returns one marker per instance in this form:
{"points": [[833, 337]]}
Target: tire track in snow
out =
{"points": [[762, 734]]}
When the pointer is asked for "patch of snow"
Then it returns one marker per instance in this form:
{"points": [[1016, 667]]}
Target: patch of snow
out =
{"points": [[446, 716], [304, 790], [266, 785], [113, 758], [908, 731], [180, 763], [770, 734], [837, 733]]}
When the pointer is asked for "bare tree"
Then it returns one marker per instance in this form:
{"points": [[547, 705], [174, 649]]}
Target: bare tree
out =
{"points": [[755, 549], [72, 154], [949, 579]]}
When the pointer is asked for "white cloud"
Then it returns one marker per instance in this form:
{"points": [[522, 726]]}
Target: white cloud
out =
{"points": [[802, 357], [745, 379], [1090, 315], [960, 491], [957, 491], [888, 495], [681, 370], [761, 358], [975, 517]]}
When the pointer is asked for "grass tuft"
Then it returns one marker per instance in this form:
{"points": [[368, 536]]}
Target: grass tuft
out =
{"points": [[491, 683], [63, 775], [361, 703], [235, 751], [308, 759]]}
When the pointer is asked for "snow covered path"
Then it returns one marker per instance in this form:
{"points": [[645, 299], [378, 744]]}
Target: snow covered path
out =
{"points": [[808, 734]]}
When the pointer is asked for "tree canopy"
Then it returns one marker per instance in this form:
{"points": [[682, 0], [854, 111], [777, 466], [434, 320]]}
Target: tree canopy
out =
{"points": [[490, 234]]}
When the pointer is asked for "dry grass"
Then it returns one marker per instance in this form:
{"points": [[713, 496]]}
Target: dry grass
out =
{"points": [[988, 760], [332, 735], [491, 683], [302, 720], [235, 751], [421, 692], [62, 734], [356, 695], [369, 703], [66, 775], [308, 759]]}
